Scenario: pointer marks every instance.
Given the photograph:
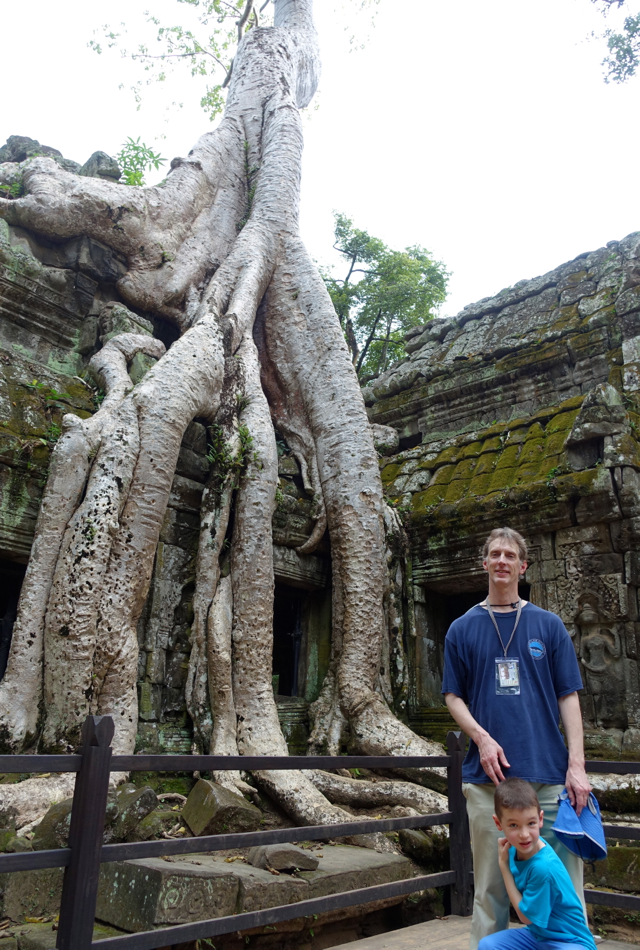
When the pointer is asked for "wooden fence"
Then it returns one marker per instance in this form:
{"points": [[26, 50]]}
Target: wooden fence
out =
{"points": [[86, 852]]}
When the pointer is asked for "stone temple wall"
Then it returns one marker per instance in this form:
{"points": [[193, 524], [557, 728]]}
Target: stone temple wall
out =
{"points": [[525, 410]]}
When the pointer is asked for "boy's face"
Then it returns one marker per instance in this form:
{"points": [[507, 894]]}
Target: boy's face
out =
{"points": [[521, 828]]}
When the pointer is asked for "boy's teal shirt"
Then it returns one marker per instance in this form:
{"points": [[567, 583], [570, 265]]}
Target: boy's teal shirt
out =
{"points": [[549, 899]]}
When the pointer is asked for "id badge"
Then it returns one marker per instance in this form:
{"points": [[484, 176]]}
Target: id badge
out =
{"points": [[507, 676]]}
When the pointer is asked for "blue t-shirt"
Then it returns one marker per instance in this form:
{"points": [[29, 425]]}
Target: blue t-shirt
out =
{"points": [[549, 899], [526, 725]]}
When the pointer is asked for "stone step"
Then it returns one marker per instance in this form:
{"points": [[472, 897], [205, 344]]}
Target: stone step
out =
{"points": [[448, 933], [153, 892]]}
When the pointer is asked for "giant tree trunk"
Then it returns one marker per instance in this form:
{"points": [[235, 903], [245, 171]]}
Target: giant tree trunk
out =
{"points": [[215, 249]]}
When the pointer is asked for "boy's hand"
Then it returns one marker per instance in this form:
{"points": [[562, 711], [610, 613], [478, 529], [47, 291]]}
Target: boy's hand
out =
{"points": [[503, 852]]}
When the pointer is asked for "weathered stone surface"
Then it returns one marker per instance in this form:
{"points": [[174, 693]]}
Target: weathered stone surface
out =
{"points": [[137, 895], [385, 439], [18, 845], [101, 165], [53, 830], [133, 804], [620, 870], [30, 893], [211, 809], [42, 936], [282, 857]]}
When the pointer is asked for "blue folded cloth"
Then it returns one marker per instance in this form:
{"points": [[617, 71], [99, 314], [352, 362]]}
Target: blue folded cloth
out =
{"points": [[583, 834]]}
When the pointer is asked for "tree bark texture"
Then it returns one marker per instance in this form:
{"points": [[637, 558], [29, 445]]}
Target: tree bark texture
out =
{"points": [[216, 250]]}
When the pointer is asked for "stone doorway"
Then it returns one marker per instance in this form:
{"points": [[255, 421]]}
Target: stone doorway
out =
{"points": [[11, 577]]}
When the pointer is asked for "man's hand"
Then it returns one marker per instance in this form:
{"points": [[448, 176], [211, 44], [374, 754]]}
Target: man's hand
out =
{"points": [[492, 757], [578, 787], [503, 852]]}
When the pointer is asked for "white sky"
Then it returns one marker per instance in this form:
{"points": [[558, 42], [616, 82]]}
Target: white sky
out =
{"points": [[480, 129]]}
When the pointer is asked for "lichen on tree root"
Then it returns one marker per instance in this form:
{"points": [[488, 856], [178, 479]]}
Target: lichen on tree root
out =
{"points": [[260, 344]]}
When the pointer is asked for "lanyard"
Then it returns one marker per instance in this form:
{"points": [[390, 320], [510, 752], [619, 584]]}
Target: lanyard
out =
{"points": [[515, 626]]}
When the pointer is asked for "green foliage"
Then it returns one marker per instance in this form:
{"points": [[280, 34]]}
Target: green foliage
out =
{"points": [[382, 295], [206, 47], [135, 158], [15, 190], [223, 459], [624, 46]]}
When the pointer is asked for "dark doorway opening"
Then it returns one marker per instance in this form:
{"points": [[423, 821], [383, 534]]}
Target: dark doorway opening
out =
{"points": [[287, 639], [456, 606], [11, 577]]}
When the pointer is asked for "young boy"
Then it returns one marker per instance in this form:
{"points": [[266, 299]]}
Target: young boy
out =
{"points": [[536, 880]]}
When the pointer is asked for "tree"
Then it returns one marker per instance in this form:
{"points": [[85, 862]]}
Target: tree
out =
{"points": [[205, 46], [394, 291], [215, 249], [624, 47]]}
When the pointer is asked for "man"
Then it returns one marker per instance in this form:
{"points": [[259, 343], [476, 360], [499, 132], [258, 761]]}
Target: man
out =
{"points": [[510, 674]]}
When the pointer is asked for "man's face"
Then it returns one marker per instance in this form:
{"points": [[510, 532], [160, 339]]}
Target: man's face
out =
{"points": [[521, 827], [503, 563]]}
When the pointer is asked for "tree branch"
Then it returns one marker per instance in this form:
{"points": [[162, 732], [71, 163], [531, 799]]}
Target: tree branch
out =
{"points": [[369, 341], [243, 19]]}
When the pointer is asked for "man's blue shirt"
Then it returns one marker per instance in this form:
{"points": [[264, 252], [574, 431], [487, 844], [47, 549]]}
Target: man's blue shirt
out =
{"points": [[549, 899], [525, 725]]}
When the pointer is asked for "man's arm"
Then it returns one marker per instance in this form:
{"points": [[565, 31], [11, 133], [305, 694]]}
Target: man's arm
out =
{"points": [[492, 757], [514, 894], [576, 781]]}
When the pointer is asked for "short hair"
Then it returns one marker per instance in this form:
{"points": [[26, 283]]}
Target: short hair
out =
{"points": [[509, 535], [515, 794]]}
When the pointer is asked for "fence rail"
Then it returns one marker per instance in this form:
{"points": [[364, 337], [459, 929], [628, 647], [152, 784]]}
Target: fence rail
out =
{"points": [[86, 852]]}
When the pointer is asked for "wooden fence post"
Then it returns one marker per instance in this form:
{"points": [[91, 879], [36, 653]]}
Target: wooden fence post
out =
{"points": [[80, 885], [459, 841]]}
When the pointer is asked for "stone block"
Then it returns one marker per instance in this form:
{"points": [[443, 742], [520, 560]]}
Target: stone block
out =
{"points": [[287, 465], [177, 668], [212, 809], [196, 438], [192, 465], [603, 743], [155, 666], [631, 743], [282, 857], [180, 528], [258, 889], [30, 893], [385, 439], [18, 845], [140, 895], [586, 539], [620, 870], [134, 804], [186, 495], [53, 830], [154, 824], [345, 868], [6, 835], [307, 571]]}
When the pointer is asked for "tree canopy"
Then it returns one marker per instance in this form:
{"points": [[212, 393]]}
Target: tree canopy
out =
{"points": [[205, 42], [624, 45], [382, 295]]}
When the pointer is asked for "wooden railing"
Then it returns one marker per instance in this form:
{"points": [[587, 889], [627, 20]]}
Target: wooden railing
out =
{"points": [[86, 852]]}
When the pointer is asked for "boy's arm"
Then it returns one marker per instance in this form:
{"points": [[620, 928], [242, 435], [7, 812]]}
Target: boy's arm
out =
{"points": [[514, 894]]}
